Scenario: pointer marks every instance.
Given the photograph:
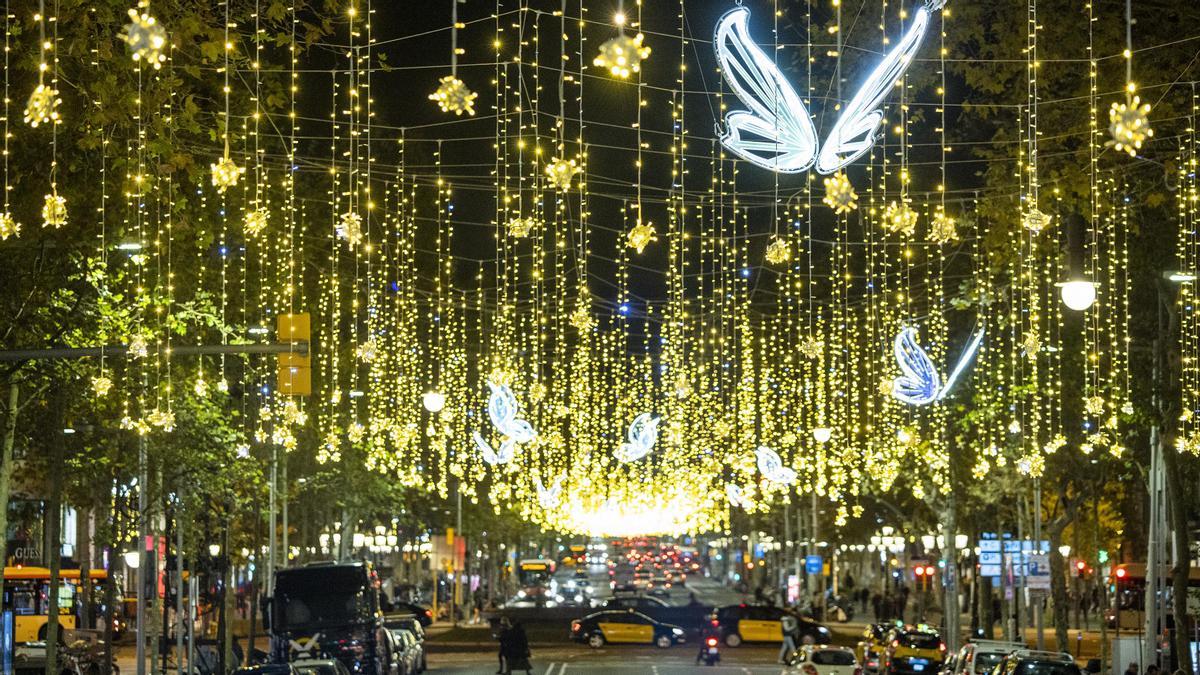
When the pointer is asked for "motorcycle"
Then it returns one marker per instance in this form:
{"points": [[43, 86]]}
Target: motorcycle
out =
{"points": [[710, 653], [85, 658]]}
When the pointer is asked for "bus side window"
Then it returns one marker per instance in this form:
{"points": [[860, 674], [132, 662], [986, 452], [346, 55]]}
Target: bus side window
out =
{"points": [[23, 602]]}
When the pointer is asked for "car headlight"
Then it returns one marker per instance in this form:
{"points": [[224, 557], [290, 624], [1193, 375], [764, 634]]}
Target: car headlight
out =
{"points": [[520, 594], [677, 631], [822, 630], [579, 597]]}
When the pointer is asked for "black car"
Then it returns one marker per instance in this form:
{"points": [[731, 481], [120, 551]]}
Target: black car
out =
{"points": [[423, 614], [762, 623], [1034, 662], [640, 603], [625, 627]]}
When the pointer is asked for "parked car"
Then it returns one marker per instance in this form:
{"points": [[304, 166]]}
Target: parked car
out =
{"points": [[641, 603], [1034, 662], [914, 651], [411, 624], [979, 657], [423, 614], [822, 660], [625, 627], [760, 623], [872, 645]]}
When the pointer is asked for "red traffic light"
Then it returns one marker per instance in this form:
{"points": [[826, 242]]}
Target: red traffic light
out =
{"points": [[1121, 572], [919, 571], [1080, 565], [929, 571]]}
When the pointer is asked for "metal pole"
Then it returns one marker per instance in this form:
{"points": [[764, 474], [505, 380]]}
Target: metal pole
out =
{"points": [[458, 573], [143, 558], [274, 470], [1037, 539], [283, 495], [179, 591]]}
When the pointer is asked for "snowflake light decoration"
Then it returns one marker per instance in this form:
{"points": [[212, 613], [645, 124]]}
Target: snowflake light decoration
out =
{"points": [[1129, 125], [521, 227], [356, 432], [1094, 405], [138, 348], [839, 194], [640, 236], [349, 228], [54, 211], [254, 222], [1035, 221], [163, 419], [101, 385], [943, 230], [146, 38], [1031, 344], [200, 387], [42, 106], [225, 174], [778, 251], [452, 95], [9, 227], [368, 351], [899, 218], [622, 55], [561, 172], [582, 320], [812, 347]]}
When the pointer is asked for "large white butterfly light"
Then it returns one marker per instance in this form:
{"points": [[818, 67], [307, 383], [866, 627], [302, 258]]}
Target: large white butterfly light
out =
{"points": [[777, 133], [919, 382], [643, 433], [735, 495], [772, 468], [503, 410], [549, 497], [508, 450]]}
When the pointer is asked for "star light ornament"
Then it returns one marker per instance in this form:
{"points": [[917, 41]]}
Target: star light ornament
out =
{"points": [[622, 55], [520, 228], [225, 174], [101, 385], [811, 347], [9, 227], [778, 251], [137, 347], [368, 351], [943, 229], [839, 194], [54, 211], [349, 229], [254, 222], [452, 95], [145, 37], [42, 106], [919, 382], [582, 319], [772, 468], [898, 218], [1035, 221], [640, 236], [642, 434], [549, 497], [1129, 125], [561, 172], [777, 131]]}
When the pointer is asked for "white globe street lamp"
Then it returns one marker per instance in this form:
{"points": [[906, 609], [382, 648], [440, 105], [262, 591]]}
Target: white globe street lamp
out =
{"points": [[133, 559], [433, 401], [1078, 294]]}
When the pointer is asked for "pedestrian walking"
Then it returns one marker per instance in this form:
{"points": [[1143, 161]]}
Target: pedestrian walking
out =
{"points": [[1132, 669], [514, 649], [790, 628]]}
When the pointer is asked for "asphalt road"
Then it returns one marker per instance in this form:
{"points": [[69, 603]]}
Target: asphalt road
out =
{"points": [[581, 660]]}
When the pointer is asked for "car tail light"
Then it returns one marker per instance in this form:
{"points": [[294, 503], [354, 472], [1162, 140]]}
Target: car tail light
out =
{"points": [[574, 626], [715, 623], [941, 646], [895, 643], [429, 613], [711, 642], [809, 669]]}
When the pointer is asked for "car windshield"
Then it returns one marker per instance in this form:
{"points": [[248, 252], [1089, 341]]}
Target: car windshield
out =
{"points": [[310, 598], [316, 669], [1046, 668], [832, 657], [920, 641], [987, 660]]}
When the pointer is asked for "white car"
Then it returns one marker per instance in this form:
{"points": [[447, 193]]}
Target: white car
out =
{"points": [[822, 660], [978, 657]]}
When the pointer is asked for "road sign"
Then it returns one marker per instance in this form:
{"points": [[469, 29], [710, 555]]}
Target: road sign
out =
{"points": [[813, 564], [989, 570], [1038, 571]]}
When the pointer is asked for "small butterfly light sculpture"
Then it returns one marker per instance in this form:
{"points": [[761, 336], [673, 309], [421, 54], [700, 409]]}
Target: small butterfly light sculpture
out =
{"points": [[549, 497], [777, 132], [643, 433], [772, 468], [508, 449], [919, 382], [504, 410], [735, 495]]}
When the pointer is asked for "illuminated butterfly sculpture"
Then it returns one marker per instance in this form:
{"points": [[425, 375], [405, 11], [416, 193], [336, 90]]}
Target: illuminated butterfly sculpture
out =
{"points": [[503, 410], [735, 495], [772, 468], [919, 382], [549, 497], [643, 432], [777, 132]]}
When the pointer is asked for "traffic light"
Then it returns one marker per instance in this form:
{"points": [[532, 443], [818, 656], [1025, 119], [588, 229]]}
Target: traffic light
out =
{"points": [[919, 570], [294, 372]]}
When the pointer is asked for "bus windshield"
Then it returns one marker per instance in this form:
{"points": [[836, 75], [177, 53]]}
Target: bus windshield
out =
{"points": [[321, 597]]}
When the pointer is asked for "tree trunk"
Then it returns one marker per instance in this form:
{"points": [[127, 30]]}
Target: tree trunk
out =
{"points": [[107, 543], [1177, 502], [1058, 584], [83, 551], [6, 462]]}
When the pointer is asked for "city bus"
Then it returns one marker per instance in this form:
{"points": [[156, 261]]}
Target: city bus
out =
{"points": [[1128, 586], [535, 572], [27, 592]]}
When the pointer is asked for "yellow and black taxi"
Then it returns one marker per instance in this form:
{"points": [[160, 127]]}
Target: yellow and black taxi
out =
{"points": [[625, 627], [872, 645], [762, 623], [914, 651]]}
